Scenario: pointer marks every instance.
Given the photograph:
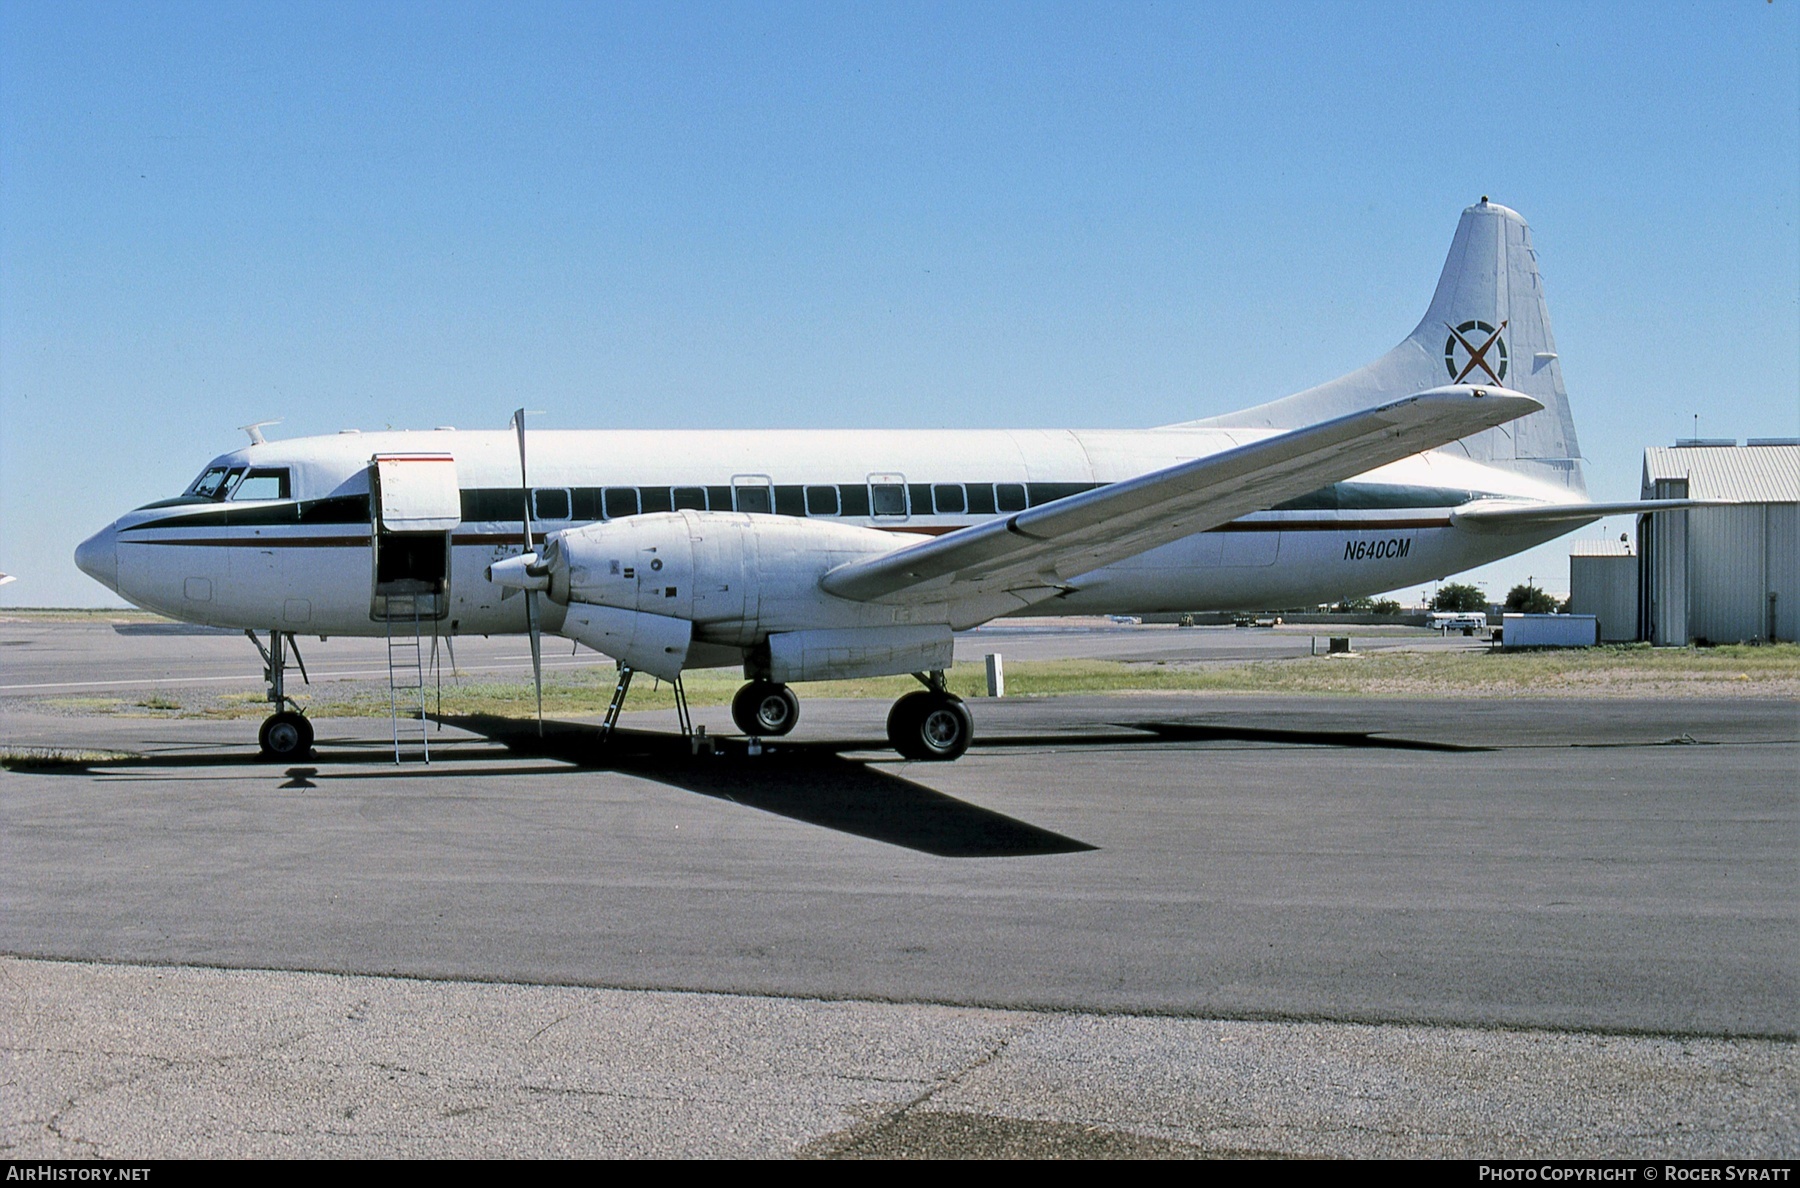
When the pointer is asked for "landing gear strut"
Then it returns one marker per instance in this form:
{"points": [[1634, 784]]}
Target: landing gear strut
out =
{"points": [[765, 709], [623, 686], [286, 733], [931, 723]]}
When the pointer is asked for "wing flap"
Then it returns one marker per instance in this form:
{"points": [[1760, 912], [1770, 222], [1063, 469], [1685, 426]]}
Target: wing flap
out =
{"points": [[1047, 545]]}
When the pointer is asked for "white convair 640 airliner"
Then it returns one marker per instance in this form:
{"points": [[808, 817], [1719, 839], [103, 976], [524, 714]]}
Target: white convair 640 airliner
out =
{"points": [[841, 553]]}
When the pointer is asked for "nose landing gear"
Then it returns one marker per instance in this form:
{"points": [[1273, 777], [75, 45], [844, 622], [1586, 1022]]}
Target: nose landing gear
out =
{"points": [[286, 733]]}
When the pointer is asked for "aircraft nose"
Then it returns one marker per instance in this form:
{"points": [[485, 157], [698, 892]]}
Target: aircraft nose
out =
{"points": [[98, 557]]}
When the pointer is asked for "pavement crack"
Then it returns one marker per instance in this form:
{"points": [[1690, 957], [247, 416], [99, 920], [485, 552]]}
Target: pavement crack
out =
{"points": [[859, 1134], [54, 1123], [563, 1018]]}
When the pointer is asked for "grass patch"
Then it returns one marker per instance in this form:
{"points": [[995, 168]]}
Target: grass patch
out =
{"points": [[78, 614], [1611, 670], [1626, 670], [85, 705], [49, 758]]}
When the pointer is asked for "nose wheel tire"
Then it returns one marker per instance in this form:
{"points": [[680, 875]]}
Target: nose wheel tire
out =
{"points": [[286, 735], [765, 709], [930, 726]]}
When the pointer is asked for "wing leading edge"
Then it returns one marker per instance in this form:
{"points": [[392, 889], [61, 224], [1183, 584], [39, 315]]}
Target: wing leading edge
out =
{"points": [[1044, 547]]}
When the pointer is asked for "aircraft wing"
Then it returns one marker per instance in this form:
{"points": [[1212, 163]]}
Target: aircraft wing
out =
{"points": [[1040, 549], [1495, 515]]}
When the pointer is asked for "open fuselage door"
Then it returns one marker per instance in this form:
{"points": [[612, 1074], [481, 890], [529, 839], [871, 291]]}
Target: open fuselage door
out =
{"points": [[417, 506]]}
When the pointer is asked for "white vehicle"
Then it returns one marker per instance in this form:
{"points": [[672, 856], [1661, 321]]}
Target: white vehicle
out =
{"points": [[824, 554], [1467, 622]]}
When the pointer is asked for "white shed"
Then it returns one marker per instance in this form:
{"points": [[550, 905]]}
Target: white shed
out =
{"points": [[1603, 582]]}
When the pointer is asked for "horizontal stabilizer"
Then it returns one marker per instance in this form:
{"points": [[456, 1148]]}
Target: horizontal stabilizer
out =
{"points": [[1505, 516]]}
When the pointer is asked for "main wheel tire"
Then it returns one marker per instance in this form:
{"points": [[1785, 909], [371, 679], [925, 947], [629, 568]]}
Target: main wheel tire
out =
{"points": [[765, 709], [930, 726], [285, 735]]}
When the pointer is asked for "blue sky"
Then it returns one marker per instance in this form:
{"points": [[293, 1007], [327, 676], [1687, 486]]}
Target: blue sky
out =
{"points": [[852, 215]]}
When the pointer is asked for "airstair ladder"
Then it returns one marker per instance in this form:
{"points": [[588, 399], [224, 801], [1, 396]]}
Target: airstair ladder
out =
{"points": [[406, 667]]}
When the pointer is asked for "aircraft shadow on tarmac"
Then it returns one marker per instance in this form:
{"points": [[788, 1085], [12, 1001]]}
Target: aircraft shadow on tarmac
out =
{"points": [[815, 782], [1202, 732], [805, 781]]}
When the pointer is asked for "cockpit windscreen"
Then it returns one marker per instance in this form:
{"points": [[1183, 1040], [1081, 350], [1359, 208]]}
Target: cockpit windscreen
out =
{"points": [[241, 483]]}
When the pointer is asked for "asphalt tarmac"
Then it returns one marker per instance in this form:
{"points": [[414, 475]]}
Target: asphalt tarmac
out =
{"points": [[1170, 925]]}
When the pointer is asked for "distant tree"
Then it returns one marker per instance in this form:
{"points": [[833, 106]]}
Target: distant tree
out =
{"points": [[1384, 606], [1529, 600], [1352, 606], [1456, 596]]}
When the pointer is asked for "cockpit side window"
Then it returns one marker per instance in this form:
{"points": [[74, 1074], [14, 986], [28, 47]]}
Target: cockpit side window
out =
{"points": [[216, 482], [264, 483]]}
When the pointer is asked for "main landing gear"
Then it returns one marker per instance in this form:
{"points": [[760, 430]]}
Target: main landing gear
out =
{"points": [[286, 733], [930, 724], [765, 709]]}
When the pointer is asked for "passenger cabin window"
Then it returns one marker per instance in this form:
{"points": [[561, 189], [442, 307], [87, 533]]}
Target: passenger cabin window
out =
{"points": [[551, 504], [621, 501], [262, 483], [690, 498], [656, 499], [1010, 497], [887, 499], [949, 499], [754, 499], [821, 501]]}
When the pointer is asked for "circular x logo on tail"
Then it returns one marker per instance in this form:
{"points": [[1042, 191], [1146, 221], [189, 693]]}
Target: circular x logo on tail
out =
{"points": [[1475, 344]]}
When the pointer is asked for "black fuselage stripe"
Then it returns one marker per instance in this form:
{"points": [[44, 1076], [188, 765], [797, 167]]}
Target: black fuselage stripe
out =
{"points": [[489, 539]]}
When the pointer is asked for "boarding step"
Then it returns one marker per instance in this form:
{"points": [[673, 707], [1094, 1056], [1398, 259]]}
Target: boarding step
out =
{"points": [[407, 664]]}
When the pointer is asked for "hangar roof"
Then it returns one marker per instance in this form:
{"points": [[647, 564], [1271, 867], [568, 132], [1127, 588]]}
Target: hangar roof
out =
{"points": [[1748, 474]]}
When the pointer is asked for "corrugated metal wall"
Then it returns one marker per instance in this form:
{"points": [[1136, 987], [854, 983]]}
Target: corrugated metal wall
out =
{"points": [[1662, 548], [1784, 567], [1607, 588], [1727, 594], [1720, 574]]}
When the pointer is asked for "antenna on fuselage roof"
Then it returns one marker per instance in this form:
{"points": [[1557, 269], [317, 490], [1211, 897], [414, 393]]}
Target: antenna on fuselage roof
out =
{"points": [[256, 431]]}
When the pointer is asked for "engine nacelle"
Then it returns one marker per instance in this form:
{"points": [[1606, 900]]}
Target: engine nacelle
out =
{"points": [[738, 578], [844, 653], [654, 644]]}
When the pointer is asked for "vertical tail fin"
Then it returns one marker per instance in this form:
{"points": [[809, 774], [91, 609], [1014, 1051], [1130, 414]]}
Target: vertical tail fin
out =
{"points": [[1488, 323]]}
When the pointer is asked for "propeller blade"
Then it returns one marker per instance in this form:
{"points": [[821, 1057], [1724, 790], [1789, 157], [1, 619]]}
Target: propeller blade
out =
{"points": [[526, 556], [518, 419], [537, 655]]}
